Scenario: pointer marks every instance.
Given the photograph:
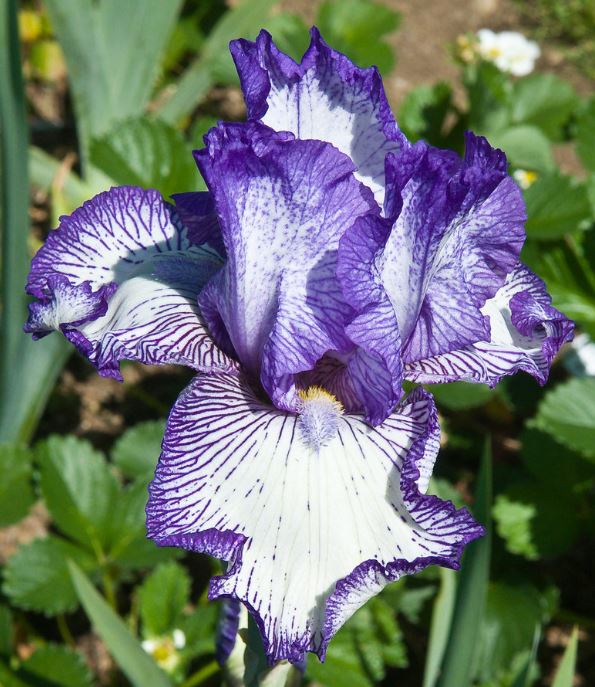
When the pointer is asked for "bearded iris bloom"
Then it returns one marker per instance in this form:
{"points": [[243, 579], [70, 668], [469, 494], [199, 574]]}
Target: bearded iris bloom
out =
{"points": [[329, 261]]}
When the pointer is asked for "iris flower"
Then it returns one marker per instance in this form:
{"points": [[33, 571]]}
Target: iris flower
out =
{"points": [[329, 261]]}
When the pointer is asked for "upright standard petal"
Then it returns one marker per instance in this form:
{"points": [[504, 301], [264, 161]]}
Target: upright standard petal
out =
{"points": [[326, 98], [121, 279], [526, 334], [312, 523], [453, 232], [283, 205]]}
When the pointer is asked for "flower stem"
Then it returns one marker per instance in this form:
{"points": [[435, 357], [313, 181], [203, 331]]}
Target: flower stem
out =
{"points": [[64, 630], [201, 675], [108, 589]]}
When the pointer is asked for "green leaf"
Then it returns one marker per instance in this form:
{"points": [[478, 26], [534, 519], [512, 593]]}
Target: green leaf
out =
{"points": [[440, 626], [55, 666], [513, 523], [112, 51], [79, 490], [5, 631], [125, 538], [468, 611], [200, 630], [137, 665], [424, 110], [556, 205], [359, 654], [527, 673], [461, 395], [489, 92], [147, 153], [544, 101], [137, 450], [569, 278], [163, 595], [525, 146], [16, 492], [347, 26], [511, 615], [566, 670], [567, 412], [584, 136], [36, 577], [290, 33], [243, 20]]}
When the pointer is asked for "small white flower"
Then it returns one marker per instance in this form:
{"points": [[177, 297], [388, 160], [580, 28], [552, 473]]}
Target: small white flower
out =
{"points": [[510, 51], [525, 177], [179, 639], [581, 360]]}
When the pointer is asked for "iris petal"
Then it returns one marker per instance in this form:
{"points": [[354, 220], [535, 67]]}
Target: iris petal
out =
{"points": [[326, 97], [309, 534], [124, 257], [526, 334], [283, 205]]}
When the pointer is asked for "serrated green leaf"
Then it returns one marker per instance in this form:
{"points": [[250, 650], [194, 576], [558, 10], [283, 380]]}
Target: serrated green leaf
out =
{"points": [[146, 153], [585, 129], [136, 664], [511, 615], [556, 205], [199, 629], [36, 576], [513, 523], [16, 492], [544, 101], [567, 412], [125, 539], [137, 450], [55, 666], [163, 595], [468, 612], [566, 669], [568, 277], [489, 92], [525, 146], [79, 489], [424, 110], [347, 26]]}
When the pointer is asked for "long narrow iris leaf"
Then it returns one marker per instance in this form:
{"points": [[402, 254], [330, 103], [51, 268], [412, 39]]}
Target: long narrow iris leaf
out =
{"points": [[440, 627], [567, 668], [459, 654], [136, 664]]}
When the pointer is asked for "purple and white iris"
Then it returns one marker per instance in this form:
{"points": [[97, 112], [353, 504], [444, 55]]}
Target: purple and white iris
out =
{"points": [[329, 261]]}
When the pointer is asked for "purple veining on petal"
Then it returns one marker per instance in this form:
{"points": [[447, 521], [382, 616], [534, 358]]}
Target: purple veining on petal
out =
{"points": [[230, 462], [326, 97], [453, 232], [197, 213], [65, 306], [283, 205], [526, 334], [121, 279]]}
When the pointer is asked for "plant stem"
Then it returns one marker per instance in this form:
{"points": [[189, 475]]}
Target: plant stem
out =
{"points": [[65, 632], [201, 675], [108, 588]]}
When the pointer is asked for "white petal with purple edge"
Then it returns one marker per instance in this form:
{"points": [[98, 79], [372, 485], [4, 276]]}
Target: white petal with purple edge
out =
{"points": [[526, 334], [309, 534], [326, 98], [125, 267]]}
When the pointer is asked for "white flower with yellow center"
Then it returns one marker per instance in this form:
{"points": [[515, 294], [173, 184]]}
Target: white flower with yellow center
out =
{"points": [[510, 51], [525, 177]]}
